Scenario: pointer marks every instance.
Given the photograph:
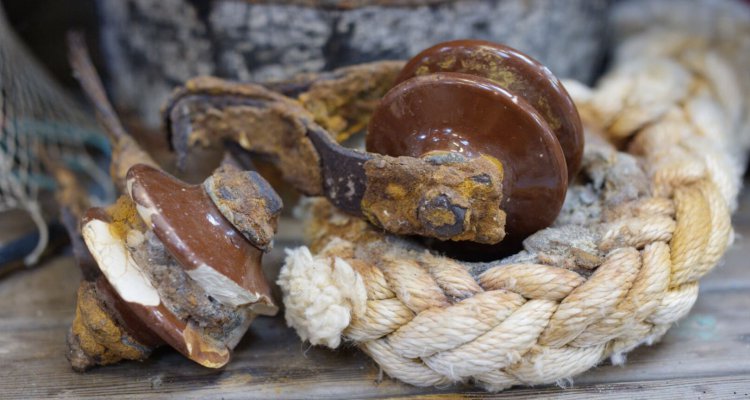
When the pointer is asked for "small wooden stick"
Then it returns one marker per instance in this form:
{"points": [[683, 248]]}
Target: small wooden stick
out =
{"points": [[126, 152], [85, 73]]}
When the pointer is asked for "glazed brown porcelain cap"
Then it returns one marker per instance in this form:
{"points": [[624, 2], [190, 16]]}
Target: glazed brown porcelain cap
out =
{"points": [[207, 246], [475, 116], [516, 72]]}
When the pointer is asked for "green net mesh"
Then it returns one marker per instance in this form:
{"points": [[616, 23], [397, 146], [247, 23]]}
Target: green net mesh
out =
{"points": [[39, 121]]}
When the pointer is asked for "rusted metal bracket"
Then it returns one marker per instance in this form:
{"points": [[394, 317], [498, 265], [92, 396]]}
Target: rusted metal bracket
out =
{"points": [[445, 197]]}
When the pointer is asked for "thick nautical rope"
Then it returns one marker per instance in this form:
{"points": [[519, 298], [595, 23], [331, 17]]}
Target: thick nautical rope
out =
{"points": [[618, 268]]}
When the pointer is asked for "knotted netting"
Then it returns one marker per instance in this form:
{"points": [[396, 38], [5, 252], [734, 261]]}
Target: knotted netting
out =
{"points": [[40, 126]]}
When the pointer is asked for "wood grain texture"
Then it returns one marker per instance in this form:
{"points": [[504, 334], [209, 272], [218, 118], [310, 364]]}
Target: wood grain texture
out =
{"points": [[706, 356]]}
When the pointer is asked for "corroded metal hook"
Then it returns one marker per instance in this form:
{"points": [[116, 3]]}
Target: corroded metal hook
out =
{"points": [[401, 194]]}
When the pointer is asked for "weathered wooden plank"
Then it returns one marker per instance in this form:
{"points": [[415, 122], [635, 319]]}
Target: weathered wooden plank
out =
{"points": [[707, 355]]}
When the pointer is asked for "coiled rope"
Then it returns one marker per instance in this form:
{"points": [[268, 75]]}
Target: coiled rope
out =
{"points": [[619, 267]]}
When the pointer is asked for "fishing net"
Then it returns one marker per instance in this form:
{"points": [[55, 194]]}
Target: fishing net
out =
{"points": [[40, 126]]}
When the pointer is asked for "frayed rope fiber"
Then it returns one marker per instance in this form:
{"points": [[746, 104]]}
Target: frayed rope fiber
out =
{"points": [[621, 264]]}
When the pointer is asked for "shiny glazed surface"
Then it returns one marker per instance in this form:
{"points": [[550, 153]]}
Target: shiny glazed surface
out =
{"points": [[516, 72], [472, 115], [193, 229]]}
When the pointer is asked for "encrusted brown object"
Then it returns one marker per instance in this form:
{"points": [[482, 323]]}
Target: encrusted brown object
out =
{"points": [[166, 264], [453, 197], [207, 246], [519, 74], [349, 4], [484, 162], [178, 270], [647, 218], [472, 116]]}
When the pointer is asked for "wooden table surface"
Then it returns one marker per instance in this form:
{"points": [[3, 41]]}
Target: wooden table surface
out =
{"points": [[705, 356]]}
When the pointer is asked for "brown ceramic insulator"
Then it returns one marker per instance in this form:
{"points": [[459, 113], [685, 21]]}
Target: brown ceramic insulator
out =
{"points": [[210, 249], [132, 324], [516, 72], [139, 310], [473, 116]]}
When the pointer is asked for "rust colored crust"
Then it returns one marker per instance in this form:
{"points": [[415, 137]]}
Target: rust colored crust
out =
{"points": [[447, 198], [123, 217], [206, 338], [209, 110], [97, 337], [343, 101], [247, 201]]}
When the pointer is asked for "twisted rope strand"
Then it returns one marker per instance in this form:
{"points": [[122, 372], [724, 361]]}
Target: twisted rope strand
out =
{"points": [[619, 267]]}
